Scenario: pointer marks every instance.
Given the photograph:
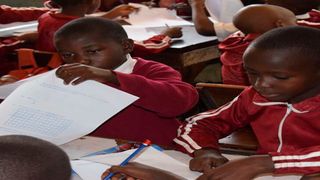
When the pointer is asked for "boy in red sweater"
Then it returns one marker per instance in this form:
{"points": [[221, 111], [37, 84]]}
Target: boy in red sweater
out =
{"points": [[282, 106], [98, 49], [252, 21]]}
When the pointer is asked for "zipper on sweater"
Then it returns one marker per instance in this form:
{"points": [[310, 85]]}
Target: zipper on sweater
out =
{"points": [[289, 110]]}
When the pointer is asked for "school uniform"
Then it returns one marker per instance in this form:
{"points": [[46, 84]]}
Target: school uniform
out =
{"points": [[49, 23], [289, 133], [162, 97], [311, 19], [232, 49], [12, 14]]}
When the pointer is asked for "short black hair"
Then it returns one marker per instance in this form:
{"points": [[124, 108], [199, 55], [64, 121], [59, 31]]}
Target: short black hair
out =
{"points": [[29, 158], [101, 27], [67, 3], [298, 39]]}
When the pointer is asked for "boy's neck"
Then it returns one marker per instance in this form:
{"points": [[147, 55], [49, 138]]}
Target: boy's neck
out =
{"points": [[74, 11], [309, 94]]}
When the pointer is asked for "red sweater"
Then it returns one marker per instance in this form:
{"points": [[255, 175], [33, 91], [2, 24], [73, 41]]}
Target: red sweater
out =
{"points": [[49, 23], [232, 49], [11, 14], [163, 96], [288, 132]]}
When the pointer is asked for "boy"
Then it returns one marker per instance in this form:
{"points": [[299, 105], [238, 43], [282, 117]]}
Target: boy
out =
{"points": [[282, 106], [98, 49], [252, 21], [50, 22], [222, 29], [28, 158]]}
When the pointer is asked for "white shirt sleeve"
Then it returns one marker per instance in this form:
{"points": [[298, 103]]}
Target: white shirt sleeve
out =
{"points": [[223, 10]]}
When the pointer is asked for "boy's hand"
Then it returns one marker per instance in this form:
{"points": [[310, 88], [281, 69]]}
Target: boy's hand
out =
{"points": [[205, 159], [139, 171], [122, 11], [242, 169], [77, 73], [311, 177], [173, 32]]}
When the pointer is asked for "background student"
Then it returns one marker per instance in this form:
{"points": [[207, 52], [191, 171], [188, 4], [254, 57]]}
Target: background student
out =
{"points": [[98, 49], [222, 29], [28, 158], [252, 21], [68, 10]]}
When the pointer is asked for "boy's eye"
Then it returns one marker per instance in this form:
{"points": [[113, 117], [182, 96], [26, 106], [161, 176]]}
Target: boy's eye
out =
{"points": [[281, 77], [94, 51], [67, 55]]}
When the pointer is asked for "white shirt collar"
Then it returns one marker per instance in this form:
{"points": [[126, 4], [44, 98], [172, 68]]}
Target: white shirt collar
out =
{"points": [[127, 67]]}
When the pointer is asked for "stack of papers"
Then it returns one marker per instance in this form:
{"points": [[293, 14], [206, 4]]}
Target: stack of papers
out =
{"points": [[155, 17]]}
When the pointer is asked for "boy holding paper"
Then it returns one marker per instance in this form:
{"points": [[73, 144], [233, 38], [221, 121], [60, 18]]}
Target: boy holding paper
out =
{"points": [[98, 49]]}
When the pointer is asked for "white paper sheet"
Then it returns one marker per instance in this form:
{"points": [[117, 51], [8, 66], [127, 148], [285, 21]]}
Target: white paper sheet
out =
{"points": [[223, 10], [88, 170], [155, 17], [150, 157], [48, 109], [138, 33], [7, 89]]}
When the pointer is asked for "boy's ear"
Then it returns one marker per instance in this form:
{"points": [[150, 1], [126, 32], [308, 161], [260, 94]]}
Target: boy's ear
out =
{"points": [[127, 45]]}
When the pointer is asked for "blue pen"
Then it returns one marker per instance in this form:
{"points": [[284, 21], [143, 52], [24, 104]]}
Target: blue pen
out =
{"points": [[146, 143]]}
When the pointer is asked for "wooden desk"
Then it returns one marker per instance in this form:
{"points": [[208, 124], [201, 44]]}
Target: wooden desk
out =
{"points": [[189, 54]]}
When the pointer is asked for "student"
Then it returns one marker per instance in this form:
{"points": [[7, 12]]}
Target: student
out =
{"points": [[28, 158], [13, 14], [221, 29], [281, 107], [50, 22], [252, 21], [98, 49]]}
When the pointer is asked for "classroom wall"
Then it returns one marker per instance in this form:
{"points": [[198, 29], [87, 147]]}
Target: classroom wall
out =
{"points": [[22, 3]]}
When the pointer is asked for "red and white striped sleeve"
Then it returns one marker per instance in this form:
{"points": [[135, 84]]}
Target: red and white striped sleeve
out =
{"points": [[302, 161], [205, 129]]}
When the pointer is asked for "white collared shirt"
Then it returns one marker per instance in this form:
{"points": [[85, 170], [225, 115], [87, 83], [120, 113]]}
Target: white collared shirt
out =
{"points": [[127, 67]]}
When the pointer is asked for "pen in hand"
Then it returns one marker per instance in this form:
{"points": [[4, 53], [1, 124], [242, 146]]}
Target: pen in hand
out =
{"points": [[146, 143]]}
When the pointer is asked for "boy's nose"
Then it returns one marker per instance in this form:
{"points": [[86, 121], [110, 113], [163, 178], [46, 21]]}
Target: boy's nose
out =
{"points": [[261, 83], [84, 61]]}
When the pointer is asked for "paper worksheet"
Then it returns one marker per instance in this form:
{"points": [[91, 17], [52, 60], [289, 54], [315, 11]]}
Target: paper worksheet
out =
{"points": [[155, 17], [223, 10], [48, 109]]}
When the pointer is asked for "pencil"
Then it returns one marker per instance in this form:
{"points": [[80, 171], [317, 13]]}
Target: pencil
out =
{"points": [[146, 143]]}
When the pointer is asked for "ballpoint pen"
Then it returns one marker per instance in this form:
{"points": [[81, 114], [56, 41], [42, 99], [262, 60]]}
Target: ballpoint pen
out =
{"points": [[136, 152]]}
